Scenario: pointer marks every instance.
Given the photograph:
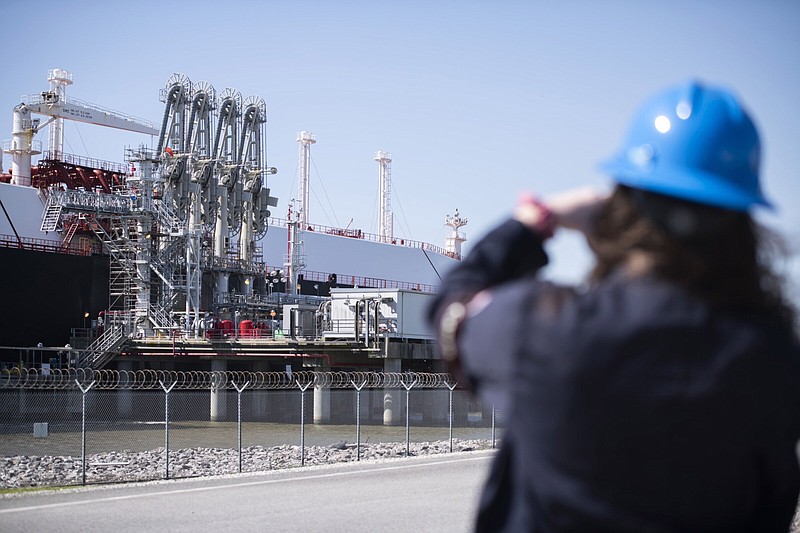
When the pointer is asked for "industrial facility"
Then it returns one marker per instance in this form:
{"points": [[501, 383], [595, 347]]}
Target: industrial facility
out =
{"points": [[177, 236]]}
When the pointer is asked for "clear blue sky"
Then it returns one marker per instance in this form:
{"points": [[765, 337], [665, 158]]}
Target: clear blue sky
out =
{"points": [[476, 100]]}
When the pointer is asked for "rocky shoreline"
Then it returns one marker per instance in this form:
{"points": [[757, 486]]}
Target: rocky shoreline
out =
{"points": [[113, 467]]}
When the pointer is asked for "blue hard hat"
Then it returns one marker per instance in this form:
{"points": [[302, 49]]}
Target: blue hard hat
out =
{"points": [[696, 143]]}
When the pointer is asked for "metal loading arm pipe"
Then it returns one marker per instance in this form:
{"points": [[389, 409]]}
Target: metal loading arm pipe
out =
{"points": [[248, 128], [227, 108], [171, 100], [200, 104], [191, 122]]}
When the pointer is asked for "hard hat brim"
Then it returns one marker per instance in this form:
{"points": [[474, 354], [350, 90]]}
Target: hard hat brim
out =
{"points": [[695, 185]]}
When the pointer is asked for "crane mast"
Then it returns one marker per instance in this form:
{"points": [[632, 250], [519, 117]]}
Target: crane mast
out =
{"points": [[55, 104]]}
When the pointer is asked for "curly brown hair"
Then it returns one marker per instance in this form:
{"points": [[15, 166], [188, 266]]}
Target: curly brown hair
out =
{"points": [[719, 255]]}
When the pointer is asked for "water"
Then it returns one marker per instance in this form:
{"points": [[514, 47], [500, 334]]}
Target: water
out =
{"points": [[65, 438]]}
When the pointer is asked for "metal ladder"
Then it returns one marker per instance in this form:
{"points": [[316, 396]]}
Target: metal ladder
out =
{"points": [[51, 217], [70, 234]]}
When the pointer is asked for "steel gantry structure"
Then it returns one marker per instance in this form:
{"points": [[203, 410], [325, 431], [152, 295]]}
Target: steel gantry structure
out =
{"points": [[209, 183], [185, 220]]}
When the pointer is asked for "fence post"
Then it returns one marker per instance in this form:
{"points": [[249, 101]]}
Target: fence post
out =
{"points": [[303, 420], [83, 428], [358, 417], [408, 424], [239, 424], [166, 425], [493, 427], [450, 412]]}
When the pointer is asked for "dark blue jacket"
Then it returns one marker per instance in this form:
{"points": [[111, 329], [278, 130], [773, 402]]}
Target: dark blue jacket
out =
{"points": [[630, 407]]}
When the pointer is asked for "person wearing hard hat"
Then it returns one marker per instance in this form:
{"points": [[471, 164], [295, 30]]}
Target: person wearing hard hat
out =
{"points": [[664, 396]]}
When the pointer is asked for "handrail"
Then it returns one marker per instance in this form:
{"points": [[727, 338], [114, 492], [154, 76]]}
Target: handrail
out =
{"points": [[42, 245], [362, 235], [92, 201], [88, 162], [103, 348], [364, 281]]}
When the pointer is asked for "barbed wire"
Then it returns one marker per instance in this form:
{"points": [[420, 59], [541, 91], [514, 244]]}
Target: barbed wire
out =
{"points": [[104, 379]]}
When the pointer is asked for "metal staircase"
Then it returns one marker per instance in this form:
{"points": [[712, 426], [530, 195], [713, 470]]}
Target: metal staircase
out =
{"points": [[103, 349], [167, 263], [167, 221], [160, 318]]}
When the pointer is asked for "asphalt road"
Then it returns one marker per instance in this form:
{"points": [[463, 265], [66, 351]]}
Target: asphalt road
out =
{"points": [[432, 493]]}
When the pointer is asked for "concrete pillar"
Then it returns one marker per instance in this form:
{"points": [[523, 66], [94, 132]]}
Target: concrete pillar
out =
{"points": [[24, 403], [219, 400], [258, 398], [322, 402], [125, 395], [392, 399]]}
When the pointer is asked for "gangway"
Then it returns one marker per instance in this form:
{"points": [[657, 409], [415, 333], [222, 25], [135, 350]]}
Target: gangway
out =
{"points": [[52, 214]]}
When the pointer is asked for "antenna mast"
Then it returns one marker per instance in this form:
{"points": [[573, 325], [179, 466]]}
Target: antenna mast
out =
{"points": [[306, 139], [59, 80], [385, 229], [453, 241]]}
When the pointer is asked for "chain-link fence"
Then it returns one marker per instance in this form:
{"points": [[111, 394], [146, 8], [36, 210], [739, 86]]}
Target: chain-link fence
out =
{"points": [[80, 426]]}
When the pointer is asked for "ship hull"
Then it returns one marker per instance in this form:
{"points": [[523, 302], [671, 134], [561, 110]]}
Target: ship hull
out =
{"points": [[46, 295]]}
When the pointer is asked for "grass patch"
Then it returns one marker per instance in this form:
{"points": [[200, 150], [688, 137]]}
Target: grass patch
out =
{"points": [[23, 490]]}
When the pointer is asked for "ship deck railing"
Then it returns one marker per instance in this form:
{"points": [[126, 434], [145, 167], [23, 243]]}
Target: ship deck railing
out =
{"points": [[84, 161], [372, 237], [366, 282], [43, 245]]}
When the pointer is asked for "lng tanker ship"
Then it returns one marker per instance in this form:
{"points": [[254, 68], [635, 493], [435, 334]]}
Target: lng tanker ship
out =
{"points": [[180, 239]]}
